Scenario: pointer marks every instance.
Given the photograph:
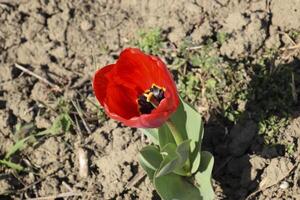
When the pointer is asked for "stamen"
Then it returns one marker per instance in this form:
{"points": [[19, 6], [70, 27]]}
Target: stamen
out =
{"points": [[150, 99], [156, 86], [148, 96]]}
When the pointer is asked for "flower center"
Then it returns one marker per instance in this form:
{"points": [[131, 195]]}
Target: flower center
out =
{"points": [[150, 99]]}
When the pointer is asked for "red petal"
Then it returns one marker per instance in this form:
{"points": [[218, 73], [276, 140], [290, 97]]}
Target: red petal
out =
{"points": [[118, 89], [140, 70], [121, 101], [101, 81]]}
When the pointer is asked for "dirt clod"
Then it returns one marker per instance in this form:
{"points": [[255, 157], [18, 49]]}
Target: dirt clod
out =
{"points": [[242, 136]]}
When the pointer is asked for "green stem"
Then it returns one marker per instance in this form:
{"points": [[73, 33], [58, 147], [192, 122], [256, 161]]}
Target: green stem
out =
{"points": [[176, 134], [179, 139]]}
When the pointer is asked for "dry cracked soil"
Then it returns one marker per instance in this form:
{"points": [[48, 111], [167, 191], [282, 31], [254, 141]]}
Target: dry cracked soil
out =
{"points": [[64, 42]]}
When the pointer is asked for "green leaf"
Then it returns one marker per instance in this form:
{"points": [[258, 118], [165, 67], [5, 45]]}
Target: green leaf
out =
{"points": [[189, 122], [203, 176], [151, 156], [152, 134], [61, 124], [169, 160], [150, 172], [174, 159], [17, 146], [196, 162], [160, 136], [182, 151], [150, 159], [173, 186], [12, 165], [165, 136]]}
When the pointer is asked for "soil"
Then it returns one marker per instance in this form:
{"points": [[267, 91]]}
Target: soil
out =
{"points": [[66, 41]]}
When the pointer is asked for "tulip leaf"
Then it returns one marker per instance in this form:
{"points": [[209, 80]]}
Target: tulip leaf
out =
{"points": [[152, 134], [165, 136], [196, 158], [173, 186], [150, 159], [189, 123], [174, 159], [203, 176], [159, 136]]}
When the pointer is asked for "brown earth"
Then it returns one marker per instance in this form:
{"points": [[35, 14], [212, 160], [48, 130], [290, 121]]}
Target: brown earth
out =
{"points": [[65, 41]]}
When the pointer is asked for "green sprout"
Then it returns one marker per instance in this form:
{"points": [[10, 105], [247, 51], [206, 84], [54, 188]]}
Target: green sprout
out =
{"points": [[150, 41]]}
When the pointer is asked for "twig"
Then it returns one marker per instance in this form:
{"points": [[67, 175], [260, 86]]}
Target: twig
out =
{"points": [[296, 46], [194, 48], [61, 195], [77, 125], [92, 102], [288, 37], [38, 181], [67, 186], [135, 179], [55, 87], [81, 116], [264, 188], [294, 92]]}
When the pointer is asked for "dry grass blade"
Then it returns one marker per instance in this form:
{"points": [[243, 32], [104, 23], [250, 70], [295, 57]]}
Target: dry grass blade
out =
{"points": [[135, 179], [297, 46], [55, 87], [194, 48], [78, 109], [61, 195]]}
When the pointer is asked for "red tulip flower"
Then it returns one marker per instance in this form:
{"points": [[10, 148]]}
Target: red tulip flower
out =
{"points": [[137, 90]]}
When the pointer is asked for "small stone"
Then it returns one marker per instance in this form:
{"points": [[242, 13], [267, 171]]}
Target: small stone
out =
{"points": [[86, 25], [83, 163], [284, 185], [275, 171]]}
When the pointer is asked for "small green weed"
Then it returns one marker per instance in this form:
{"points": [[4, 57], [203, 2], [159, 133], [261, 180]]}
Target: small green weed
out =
{"points": [[211, 79], [61, 124], [150, 41], [222, 37], [290, 148], [271, 127], [294, 34], [271, 95]]}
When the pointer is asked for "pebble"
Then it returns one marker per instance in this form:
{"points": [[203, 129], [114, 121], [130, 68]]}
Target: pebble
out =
{"points": [[86, 25], [83, 163], [284, 185]]}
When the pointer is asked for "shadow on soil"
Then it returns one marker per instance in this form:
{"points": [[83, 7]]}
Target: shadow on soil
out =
{"points": [[271, 94]]}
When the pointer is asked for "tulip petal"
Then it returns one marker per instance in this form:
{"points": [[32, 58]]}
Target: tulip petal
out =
{"points": [[121, 101], [118, 87], [141, 70], [101, 81]]}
